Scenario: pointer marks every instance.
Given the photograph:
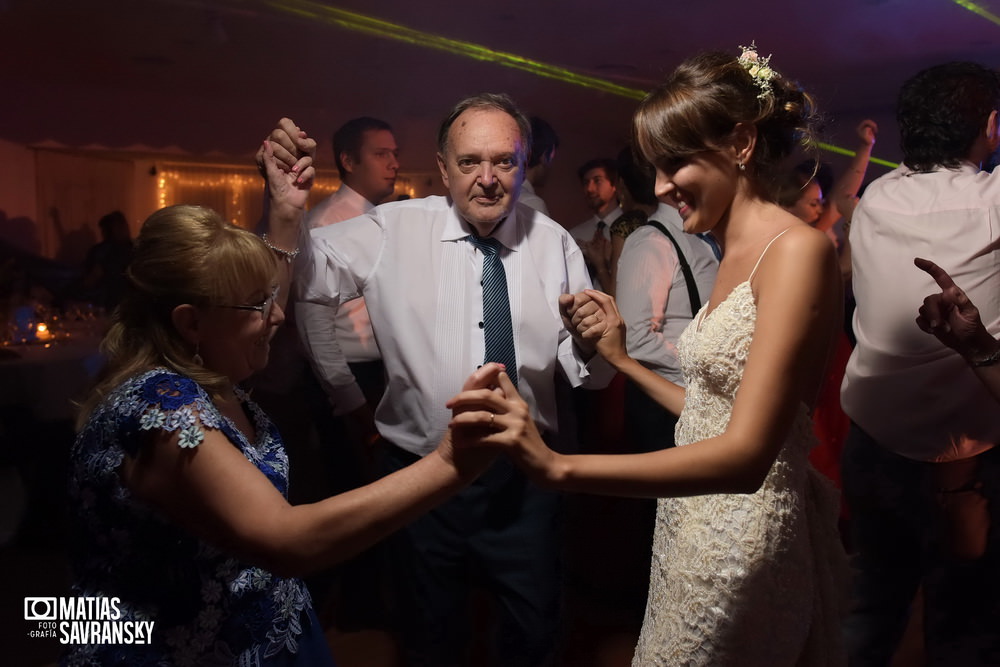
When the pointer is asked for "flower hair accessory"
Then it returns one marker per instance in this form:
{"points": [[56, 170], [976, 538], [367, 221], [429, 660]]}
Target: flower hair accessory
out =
{"points": [[758, 68]]}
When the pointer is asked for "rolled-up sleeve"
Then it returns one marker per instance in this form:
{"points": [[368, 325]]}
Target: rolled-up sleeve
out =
{"points": [[340, 259]]}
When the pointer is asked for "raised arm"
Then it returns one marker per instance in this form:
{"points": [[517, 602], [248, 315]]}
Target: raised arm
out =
{"points": [[844, 197], [954, 320], [289, 178], [214, 492], [798, 313]]}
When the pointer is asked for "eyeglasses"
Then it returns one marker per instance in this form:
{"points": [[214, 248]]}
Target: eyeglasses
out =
{"points": [[264, 307]]}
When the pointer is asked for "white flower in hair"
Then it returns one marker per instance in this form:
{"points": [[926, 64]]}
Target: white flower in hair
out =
{"points": [[758, 68]]}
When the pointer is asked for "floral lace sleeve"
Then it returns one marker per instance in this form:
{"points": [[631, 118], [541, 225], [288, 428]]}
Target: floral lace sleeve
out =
{"points": [[209, 607], [161, 400]]}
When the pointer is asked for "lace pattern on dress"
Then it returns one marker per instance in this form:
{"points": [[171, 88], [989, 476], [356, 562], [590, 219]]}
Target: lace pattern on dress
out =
{"points": [[209, 608], [734, 578]]}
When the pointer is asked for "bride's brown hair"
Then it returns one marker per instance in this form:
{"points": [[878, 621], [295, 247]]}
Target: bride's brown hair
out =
{"points": [[699, 105]]}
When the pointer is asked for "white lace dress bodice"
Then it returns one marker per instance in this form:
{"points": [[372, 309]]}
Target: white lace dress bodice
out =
{"points": [[742, 579]]}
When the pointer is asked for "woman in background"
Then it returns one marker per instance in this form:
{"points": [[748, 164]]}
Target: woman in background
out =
{"points": [[800, 194]]}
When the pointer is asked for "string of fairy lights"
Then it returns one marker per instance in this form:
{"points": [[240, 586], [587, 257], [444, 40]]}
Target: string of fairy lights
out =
{"points": [[240, 185]]}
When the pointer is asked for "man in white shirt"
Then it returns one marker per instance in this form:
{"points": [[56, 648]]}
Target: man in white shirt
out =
{"points": [[419, 266], [598, 178], [919, 465], [656, 299], [367, 159], [544, 142]]}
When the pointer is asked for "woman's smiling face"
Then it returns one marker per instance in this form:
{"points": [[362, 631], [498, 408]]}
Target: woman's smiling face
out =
{"points": [[236, 337], [701, 187]]}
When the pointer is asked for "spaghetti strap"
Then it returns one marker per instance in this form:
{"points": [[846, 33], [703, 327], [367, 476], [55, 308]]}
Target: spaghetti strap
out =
{"points": [[764, 252]]}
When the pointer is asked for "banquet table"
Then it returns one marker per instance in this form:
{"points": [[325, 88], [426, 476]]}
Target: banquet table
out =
{"points": [[39, 383], [45, 379]]}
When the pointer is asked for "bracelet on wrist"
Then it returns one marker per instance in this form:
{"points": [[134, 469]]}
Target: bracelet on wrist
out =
{"points": [[288, 255], [989, 360]]}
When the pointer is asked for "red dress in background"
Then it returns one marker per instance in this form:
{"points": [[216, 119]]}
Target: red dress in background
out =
{"points": [[830, 423]]}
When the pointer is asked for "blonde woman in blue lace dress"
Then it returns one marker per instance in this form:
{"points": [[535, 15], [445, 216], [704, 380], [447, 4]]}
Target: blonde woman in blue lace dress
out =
{"points": [[747, 567], [179, 480]]}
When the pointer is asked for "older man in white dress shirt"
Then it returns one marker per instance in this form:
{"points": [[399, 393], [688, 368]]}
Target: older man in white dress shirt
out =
{"points": [[419, 266]]}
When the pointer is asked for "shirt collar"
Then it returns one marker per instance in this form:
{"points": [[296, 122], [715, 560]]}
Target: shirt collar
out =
{"points": [[610, 217], [963, 166], [507, 232]]}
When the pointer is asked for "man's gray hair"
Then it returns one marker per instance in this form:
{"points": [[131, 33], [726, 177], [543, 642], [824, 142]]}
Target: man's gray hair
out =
{"points": [[500, 102]]}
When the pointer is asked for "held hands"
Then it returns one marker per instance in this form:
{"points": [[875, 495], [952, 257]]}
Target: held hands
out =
{"points": [[592, 318], [285, 160], [291, 147], [952, 317], [463, 446], [488, 417]]}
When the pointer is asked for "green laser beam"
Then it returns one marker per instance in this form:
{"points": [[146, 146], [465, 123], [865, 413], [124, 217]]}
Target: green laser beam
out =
{"points": [[379, 28], [978, 9], [843, 151]]}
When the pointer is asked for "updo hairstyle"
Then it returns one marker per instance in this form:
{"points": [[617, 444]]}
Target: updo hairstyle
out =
{"points": [[699, 105], [183, 255]]}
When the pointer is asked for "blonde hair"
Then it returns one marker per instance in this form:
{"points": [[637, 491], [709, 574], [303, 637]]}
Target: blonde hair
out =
{"points": [[183, 255], [700, 104]]}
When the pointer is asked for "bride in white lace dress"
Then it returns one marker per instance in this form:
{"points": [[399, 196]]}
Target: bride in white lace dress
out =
{"points": [[747, 567]]}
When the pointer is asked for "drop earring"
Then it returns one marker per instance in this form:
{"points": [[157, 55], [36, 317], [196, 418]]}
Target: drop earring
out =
{"points": [[196, 359]]}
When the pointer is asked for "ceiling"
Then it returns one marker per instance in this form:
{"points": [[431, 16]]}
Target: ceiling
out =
{"points": [[212, 77]]}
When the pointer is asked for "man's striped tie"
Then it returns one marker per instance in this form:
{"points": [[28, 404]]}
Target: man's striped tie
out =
{"points": [[498, 331]]}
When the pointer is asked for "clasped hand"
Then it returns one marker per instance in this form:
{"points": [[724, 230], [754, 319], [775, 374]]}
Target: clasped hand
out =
{"points": [[285, 160], [489, 416], [592, 318]]}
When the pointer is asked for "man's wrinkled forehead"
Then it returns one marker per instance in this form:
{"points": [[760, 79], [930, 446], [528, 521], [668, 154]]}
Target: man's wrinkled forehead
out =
{"points": [[477, 119]]}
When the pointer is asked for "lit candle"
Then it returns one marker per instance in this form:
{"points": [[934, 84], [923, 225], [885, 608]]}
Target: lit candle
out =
{"points": [[42, 332]]}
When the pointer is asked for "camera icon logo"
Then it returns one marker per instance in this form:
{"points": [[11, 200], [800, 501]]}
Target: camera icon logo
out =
{"points": [[40, 609]]}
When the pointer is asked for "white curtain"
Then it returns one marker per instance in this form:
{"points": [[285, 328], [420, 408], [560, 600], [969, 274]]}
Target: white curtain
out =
{"points": [[74, 192]]}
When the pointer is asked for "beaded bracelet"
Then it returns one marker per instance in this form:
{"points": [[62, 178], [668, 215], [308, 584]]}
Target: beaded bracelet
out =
{"points": [[288, 255]]}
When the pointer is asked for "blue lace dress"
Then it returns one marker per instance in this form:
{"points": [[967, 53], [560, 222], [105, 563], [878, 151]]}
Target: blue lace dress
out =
{"points": [[208, 607]]}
